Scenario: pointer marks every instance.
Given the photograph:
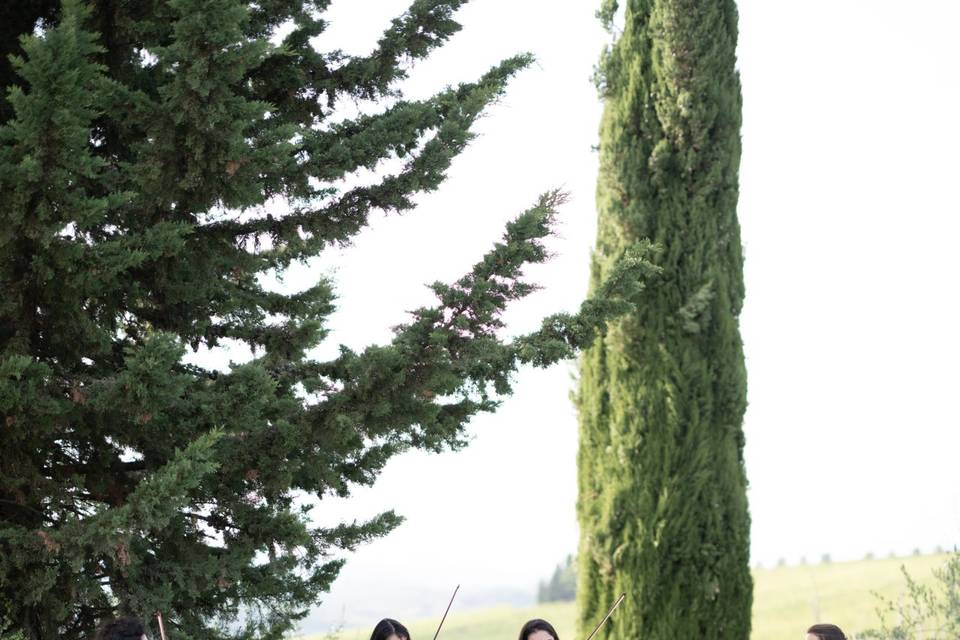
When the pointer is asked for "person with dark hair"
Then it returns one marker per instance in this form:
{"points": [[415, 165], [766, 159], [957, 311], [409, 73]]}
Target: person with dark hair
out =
{"points": [[825, 632], [125, 628], [389, 629], [538, 629]]}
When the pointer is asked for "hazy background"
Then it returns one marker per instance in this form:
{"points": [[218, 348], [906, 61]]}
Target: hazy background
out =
{"points": [[849, 216]]}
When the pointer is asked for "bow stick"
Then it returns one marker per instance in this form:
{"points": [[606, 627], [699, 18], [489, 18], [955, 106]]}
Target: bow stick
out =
{"points": [[446, 612], [163, 633], [609, 613]]}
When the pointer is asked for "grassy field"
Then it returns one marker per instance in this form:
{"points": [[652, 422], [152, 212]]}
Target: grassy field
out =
{"points": [[786, 601]]}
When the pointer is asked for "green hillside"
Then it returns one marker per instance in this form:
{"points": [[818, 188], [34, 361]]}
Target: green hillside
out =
{"points": [[787, 600]]}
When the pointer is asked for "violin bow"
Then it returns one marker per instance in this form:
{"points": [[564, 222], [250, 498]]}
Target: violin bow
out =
{"points": [[163, 633], [449, 604], [606, 617]]}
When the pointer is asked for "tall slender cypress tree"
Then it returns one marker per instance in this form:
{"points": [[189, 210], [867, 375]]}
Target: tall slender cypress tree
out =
{"points": [[161, 161], [662, 489]]}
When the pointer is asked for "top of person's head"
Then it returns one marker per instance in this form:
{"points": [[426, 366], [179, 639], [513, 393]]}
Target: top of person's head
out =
{"points": [[389, 627], [827, 632], [537, 625], [125, 628]]}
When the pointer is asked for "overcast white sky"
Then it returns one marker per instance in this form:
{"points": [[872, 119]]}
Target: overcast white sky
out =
{"points": [[849, 215]]}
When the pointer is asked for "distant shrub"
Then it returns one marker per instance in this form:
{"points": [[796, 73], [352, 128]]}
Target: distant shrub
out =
{"points": [[825, 559], [923, 612]]}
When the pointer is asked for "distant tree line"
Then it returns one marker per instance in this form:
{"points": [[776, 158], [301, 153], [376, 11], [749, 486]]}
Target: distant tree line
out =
{"points": [[562, 585]]}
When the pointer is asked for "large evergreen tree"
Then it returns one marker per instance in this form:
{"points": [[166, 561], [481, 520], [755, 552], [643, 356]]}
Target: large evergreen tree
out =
{"points": [[161, 162], [662, 489]]}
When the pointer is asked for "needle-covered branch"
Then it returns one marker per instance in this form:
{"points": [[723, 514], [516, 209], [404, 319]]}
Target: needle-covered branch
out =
{"points": [[427, 134], [452, 361]]}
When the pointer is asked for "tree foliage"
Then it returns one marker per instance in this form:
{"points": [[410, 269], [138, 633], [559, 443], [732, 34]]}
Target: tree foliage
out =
{"points": [[924, 612], [562, 585], [662, 489], [161, 164]]}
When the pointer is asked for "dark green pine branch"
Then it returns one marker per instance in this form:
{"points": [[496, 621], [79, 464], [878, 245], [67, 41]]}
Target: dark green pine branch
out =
{"points": [[399, 131], [426, 25]]}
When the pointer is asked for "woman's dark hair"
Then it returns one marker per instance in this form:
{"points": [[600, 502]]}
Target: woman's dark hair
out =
{"points": [[827, 632], [126, 628], [389, 627], [537, 625]]}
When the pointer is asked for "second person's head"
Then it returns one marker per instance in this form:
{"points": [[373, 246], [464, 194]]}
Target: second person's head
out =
{"points": [[538, 629], [389, 629], [825, 632]]}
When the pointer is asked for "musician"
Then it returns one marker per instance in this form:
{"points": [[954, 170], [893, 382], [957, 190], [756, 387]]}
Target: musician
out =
{"points": [[825, 632], [538, 629], [126, 628], [389, 629]]}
